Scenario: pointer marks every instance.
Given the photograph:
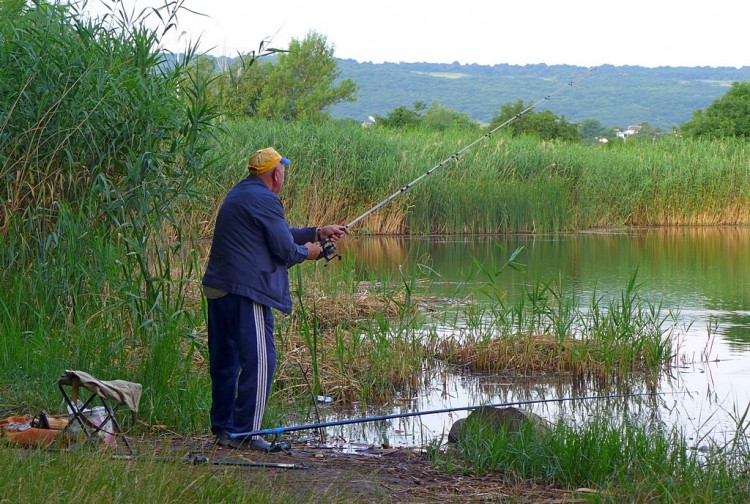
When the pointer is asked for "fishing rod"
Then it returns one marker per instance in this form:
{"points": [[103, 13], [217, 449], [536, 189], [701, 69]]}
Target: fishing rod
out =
{"points": [[329, 248], [280, 430], [201, 460]]}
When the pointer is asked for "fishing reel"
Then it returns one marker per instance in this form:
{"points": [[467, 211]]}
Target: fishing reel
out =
{"points": [[329, 251]]}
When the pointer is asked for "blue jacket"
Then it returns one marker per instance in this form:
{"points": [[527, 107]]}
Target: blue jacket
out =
{"points": [[253, 246]]}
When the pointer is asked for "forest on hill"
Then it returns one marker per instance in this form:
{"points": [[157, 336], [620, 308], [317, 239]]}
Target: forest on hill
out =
{"points": [[616, 96]]}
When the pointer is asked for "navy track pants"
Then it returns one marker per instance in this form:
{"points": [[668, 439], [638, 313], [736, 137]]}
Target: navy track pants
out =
{"points": [[242, 359]]}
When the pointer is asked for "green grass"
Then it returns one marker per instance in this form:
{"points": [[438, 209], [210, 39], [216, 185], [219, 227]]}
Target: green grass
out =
{"points": [[622, 460], [544, 329], [38, 476]]}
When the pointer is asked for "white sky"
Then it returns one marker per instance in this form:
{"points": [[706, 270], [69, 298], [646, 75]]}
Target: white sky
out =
{"points": [[575, 32]]}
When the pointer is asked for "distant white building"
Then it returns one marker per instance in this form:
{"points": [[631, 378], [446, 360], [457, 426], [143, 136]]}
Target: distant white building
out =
{"points": [[369, 123], [632, 130]]}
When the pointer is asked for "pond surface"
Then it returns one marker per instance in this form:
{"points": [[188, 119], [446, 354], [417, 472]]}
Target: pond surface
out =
{"points": [[702, 275]]}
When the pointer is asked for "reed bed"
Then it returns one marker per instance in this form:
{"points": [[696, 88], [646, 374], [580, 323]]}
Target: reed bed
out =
{"points": [[355, 342], [503, 184], [373, 342]]}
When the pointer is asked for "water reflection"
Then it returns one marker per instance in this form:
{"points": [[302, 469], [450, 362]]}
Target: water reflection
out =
{"points": [[700, 274], [692, 401], [704, 270]]}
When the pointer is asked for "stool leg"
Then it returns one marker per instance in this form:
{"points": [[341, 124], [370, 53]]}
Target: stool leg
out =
{"points": [[71, 406], [117, 429]]}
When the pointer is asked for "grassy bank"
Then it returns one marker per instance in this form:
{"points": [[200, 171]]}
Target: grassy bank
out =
{"points": [[40, 476], [611, 457]]}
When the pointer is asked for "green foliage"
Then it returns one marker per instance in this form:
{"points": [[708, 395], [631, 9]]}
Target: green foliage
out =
{"points": [[589, 130], [237, 85], [437, 118], [400, 117], [104, 144], [240, 87], [522, 119], [302, 83], [648, 132], [728, 116]]}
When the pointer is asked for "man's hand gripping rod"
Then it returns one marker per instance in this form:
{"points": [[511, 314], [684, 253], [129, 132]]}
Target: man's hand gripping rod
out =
{"points": [[329, 248]]}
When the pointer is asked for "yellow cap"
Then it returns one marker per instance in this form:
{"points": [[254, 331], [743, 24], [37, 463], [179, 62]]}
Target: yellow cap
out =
{"points": [[265, 159]]}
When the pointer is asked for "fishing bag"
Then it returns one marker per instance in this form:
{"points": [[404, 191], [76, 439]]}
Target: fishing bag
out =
{"points": [[29, 432]]}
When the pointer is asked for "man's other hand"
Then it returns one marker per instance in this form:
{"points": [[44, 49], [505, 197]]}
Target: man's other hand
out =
{"points": [[313, 250]]}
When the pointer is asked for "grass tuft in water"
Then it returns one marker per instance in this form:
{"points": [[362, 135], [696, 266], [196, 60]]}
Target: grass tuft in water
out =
{"points": [[546, 331]]}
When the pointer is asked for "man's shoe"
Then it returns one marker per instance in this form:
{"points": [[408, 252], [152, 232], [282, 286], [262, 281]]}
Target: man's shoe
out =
{"points": [[280, 446], [257, 444], [261, 445], [223, 439], [254, 444]]}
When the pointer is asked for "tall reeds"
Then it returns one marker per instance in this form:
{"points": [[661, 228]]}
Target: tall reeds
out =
{"points": [[104, 138], [503, 184]]}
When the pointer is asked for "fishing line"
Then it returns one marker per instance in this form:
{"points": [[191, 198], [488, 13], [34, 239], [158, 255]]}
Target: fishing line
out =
{"points": [[457, 154], [329, 248], [280, 430]]}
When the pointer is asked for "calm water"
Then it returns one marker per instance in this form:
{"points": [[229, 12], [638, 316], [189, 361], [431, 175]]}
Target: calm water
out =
{"points": [[703, 274]]}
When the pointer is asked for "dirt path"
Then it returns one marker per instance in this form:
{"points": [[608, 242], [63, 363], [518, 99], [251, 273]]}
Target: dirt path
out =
{"points": [[387, 475]]}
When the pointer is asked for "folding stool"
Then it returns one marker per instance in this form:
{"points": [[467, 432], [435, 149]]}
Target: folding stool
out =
{"points": [[117, 391]]}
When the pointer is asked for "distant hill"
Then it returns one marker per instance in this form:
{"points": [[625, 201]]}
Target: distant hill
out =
{"points": [[616, 96]]}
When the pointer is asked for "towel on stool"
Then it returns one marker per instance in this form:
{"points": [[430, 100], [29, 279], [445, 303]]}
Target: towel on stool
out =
{"points": [[124, 392]]}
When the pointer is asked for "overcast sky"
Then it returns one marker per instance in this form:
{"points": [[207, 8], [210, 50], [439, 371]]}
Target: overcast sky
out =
{"points": [[575, 32]]}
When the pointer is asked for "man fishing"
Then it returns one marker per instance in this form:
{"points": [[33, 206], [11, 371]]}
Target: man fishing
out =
{"points": [[246, 276]]}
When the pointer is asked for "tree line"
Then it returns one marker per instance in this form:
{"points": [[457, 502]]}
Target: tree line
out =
{"points": [[304, 82], [617, 96]]}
